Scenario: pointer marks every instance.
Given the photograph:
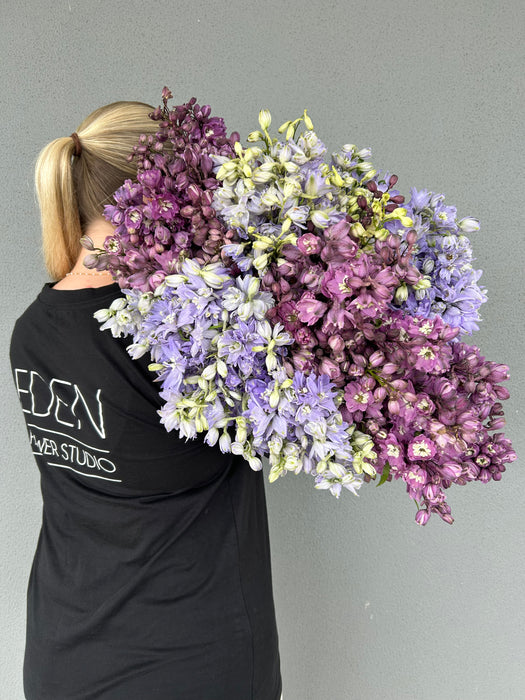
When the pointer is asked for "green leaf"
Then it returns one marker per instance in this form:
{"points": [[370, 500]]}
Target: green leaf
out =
{"points": [[384, 475]]}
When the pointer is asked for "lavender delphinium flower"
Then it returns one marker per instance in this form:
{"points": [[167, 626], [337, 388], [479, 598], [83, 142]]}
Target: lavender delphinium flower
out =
{"points": [[443, 252], [216, 337]]}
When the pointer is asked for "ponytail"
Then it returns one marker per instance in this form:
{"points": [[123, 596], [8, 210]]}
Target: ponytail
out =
{"points": [[72, 190]]}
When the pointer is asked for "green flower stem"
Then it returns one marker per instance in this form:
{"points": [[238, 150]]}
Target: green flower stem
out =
{"points": [[379, 379]]}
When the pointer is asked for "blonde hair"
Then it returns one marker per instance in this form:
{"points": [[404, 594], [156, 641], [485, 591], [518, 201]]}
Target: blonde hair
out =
{"points": [[72, 191]]}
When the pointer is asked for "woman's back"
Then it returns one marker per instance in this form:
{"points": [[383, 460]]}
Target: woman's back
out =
{"points": [[152, 574]]}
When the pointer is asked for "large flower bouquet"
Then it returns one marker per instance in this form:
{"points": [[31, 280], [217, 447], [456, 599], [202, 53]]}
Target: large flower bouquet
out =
{"points": [[303, 311]]}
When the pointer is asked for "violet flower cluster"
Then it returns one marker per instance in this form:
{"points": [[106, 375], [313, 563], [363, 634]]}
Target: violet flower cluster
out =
{"points": [[304, 314], [166, 215], [219, 362], [444, 253], [375, 296]]}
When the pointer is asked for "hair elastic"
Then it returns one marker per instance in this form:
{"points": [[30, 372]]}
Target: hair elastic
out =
{"points": [[78, 145]]}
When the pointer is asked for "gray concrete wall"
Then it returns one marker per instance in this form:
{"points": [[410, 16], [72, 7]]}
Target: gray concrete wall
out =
{"points": [[369, 605]]}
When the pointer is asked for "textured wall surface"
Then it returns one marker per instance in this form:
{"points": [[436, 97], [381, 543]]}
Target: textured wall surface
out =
{"points": [[369, 605]]}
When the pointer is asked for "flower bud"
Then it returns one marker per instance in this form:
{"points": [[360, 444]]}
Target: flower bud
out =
{"points": [[268, 279], [468, 225], [422, 517], [237, 448], [200, 423], [87, 242], [484, 476], [118, 304], [209, 372], [336, 343], [321, 467], [428, 265], [260, 262], [450, 470], [430, 491], [255, 136], [102, 315], [212, 436], [401, 294], [255, 463], [225, 442], [174, 280], [309, 243], [411, 236], [265, 118], [90, 260], [376, 358], [222, 369], [253, 286], [145, 303], [274, 396], [241, 434]]}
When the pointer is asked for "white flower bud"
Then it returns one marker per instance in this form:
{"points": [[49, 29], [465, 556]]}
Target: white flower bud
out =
{"points": [[260, 176], [337, 469], [123, 317], [319, 218], [145, 303], [212, 279], [237, 448], [265, 118], [159, 289], [136, 350], [255, 463], [271, 362], [401, 294], [274, 396], [174, 280], [102, 315], [209, 372], [321, 467], [468, 225], [428, 265], [200, 423], [212, 436], [118, 304], [225, 442], [253, 287], [260, 262], [222, 369], [254, 136]]}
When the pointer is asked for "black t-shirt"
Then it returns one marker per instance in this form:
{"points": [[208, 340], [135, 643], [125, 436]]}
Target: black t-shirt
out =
{"points": [[151, 578]]}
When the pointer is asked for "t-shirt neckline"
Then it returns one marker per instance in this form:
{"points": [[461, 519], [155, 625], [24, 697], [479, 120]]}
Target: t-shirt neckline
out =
{"points": [[73, 297]]}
